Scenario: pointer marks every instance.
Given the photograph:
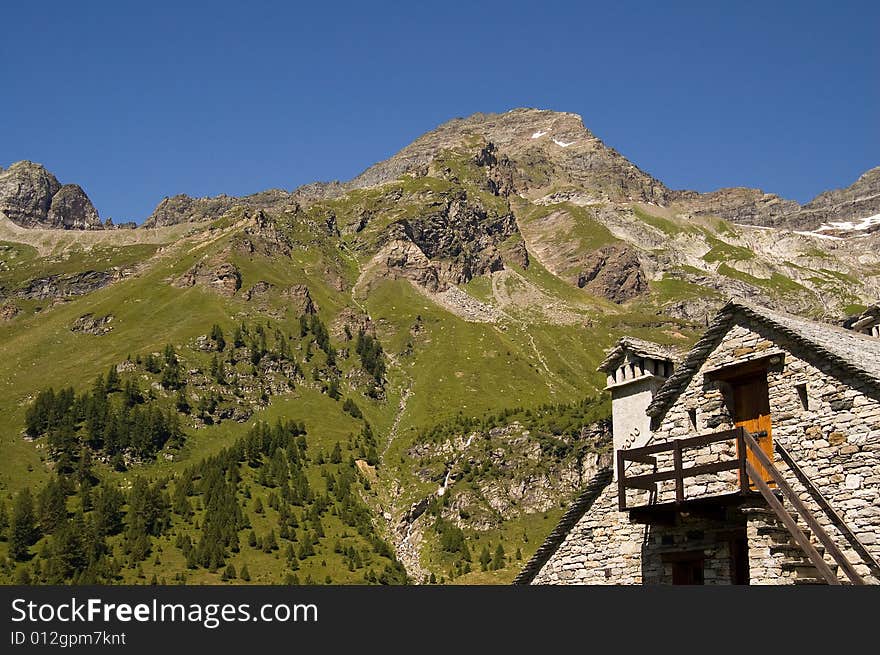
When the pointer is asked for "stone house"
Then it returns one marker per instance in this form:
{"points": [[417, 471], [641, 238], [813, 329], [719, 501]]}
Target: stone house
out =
{"points": [[752, 459]]}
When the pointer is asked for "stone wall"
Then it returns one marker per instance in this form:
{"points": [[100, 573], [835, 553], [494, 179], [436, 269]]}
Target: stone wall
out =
{"points": [[602, 548], [605, 548], [827, 419]]}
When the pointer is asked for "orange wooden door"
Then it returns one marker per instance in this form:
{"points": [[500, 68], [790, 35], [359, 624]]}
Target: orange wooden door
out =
{"points": [[751, 403]]}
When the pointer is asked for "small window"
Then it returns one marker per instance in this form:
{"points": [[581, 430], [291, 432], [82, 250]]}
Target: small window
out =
{"points": [[688, 572], [692, 417], [802, 394]]}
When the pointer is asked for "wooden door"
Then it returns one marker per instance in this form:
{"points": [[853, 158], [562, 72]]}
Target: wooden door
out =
{"points": [[751, 410]]}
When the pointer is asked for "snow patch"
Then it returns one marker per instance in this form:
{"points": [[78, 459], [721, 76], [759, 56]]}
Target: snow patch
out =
{"points": [[562, 144], [863, 224], [819, 236], [538, 134]]}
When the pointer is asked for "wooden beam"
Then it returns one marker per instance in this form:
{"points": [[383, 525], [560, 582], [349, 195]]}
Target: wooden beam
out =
{"points": [[640, 458], [636, 481], [743, 369], [741, 451], [679, 476]]}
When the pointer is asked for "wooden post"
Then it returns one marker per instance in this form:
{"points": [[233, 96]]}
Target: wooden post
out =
{"points": [[679, 477], [621, 486], [741, 452]]}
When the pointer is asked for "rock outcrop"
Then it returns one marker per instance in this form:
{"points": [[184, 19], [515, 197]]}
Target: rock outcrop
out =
{"points": [[742, 205], [184, 209], [613, 272], [8, 311], [220, 277], [259, 291], [91, 324], [65, 286], [262, 236], [300, 300], [32, 197]]}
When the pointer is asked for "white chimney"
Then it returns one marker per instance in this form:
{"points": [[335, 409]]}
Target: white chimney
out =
{"points": [[636, 369]]}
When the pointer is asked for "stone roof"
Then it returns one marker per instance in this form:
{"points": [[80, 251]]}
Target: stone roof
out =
{"points": [[573, 514], [858, 354], [638, 347]]}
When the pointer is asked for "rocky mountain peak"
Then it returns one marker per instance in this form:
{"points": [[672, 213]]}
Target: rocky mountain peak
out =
{"points": [[31, 196], [548, 149]]}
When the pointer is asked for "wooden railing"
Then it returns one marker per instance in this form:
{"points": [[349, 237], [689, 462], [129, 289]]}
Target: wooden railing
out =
{"points": [[788, 520], [832, 513], [747, 451], [648, 455]]}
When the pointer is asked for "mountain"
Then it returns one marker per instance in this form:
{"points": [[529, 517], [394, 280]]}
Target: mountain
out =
{"points": [[31, 196], [361, 381], [754, 207]]}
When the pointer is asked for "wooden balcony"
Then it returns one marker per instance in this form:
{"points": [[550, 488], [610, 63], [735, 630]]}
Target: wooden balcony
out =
{"points": [[667, 462], [758, 477]]}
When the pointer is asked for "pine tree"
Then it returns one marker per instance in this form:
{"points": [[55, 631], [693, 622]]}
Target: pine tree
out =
{"points": [[152, 365], [217, 337], [182, 404], [270, 543], [131, 393], [4, 521], [52, 506], [171, 377], [23, 531], [498, 562], [111, 384], [485, 558], [245, 574], [217, 370]]}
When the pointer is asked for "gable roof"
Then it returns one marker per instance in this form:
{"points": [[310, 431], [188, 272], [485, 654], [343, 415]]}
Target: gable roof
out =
{"points": [[572, 515], [638, 347], [856, 353]]}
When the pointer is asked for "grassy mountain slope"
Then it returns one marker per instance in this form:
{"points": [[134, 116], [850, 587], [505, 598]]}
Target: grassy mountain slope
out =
{"points": [[491, 277]]}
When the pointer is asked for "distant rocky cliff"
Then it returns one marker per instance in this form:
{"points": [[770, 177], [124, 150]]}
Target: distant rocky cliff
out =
{"points": [[754, 207], [31, 196]]}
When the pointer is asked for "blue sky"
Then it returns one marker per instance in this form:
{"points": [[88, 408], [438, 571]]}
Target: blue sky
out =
{"points": [[139, 101]]}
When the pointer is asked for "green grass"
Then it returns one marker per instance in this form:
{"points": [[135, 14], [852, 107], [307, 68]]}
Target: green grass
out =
{"points": [[776, 283], [671, 288], [722, 251], [448, 368], [666, 226], [525, 533], [20, 263]]}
